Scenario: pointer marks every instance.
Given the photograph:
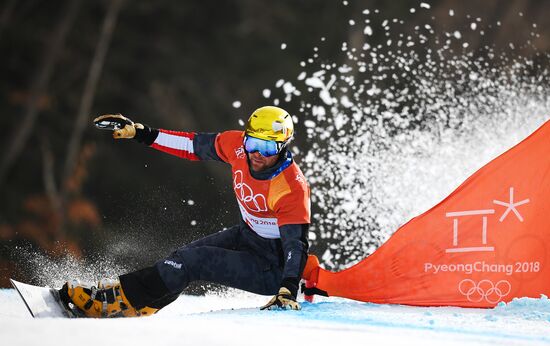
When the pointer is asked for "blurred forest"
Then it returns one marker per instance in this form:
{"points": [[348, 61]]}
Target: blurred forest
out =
{"points": [[68, 189]]}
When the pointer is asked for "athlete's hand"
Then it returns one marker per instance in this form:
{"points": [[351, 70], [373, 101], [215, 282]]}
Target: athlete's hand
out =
{"points": [[283, 300], [121, 126]]}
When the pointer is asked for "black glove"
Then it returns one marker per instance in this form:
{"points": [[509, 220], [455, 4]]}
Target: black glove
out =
{"points": [[283, 300]]}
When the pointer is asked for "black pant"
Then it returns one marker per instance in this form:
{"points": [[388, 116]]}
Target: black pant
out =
{"points": [[236, 257]]}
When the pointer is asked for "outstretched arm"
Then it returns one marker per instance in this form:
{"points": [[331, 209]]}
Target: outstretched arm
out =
{"points": [[188, 145]]}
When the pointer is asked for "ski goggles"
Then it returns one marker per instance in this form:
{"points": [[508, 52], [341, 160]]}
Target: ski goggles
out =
{"points": [[264, 147]]}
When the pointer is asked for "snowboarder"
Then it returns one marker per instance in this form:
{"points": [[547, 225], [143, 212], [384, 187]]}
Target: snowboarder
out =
{"points": [[264, 254]]}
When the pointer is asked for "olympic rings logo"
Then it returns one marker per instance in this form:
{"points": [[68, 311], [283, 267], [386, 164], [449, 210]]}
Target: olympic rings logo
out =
{"points": [[484, 290], [244, 193]]}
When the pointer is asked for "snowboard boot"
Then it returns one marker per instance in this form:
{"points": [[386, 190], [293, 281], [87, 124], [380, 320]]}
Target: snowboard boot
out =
{"points": [[105, 300]]}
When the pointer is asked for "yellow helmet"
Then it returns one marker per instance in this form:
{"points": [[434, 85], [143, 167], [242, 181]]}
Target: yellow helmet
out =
{"points": [[270, 123]]}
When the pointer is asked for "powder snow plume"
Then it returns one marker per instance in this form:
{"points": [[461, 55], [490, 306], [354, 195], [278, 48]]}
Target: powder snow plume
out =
{"points": [[398, 123], [54, 272]]}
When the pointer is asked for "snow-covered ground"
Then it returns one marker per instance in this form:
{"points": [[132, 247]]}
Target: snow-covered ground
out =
{"points": [[234, 319]]}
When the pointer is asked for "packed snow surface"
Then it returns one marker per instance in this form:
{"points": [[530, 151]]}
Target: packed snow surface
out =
{"points": [[233, 318]]}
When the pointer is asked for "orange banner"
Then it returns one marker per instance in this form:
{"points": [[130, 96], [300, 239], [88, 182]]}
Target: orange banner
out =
{"points": [[487, 242]]}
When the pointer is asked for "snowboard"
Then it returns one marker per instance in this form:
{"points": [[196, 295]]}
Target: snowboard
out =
{"points": [[41, 301]]}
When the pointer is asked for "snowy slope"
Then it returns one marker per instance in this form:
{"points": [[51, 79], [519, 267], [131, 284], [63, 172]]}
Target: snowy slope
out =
{"points": [[234, 319]]}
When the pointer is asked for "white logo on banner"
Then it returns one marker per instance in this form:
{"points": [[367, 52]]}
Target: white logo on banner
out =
{"points": [[484, 290], [511, 207]]}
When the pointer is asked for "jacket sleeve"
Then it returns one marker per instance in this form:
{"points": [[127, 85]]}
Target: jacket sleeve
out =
{"points": [[295, 247], [187, 145]]}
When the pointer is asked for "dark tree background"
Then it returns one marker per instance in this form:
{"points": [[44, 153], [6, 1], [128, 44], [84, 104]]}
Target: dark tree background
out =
{"points": [[67, 188]]}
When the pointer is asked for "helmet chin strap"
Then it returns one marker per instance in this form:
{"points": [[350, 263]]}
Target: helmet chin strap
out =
{"points": [[284, 146], [282, 153]]}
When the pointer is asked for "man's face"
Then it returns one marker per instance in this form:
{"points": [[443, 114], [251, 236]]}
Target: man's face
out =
{"points": [[260, 163]]}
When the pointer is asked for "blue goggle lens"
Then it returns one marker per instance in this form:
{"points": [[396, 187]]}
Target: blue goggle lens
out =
{"points": [[266, 148]]}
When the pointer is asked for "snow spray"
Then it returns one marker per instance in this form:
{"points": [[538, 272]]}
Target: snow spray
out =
{"points": [[54, 272], [398, 123]]}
